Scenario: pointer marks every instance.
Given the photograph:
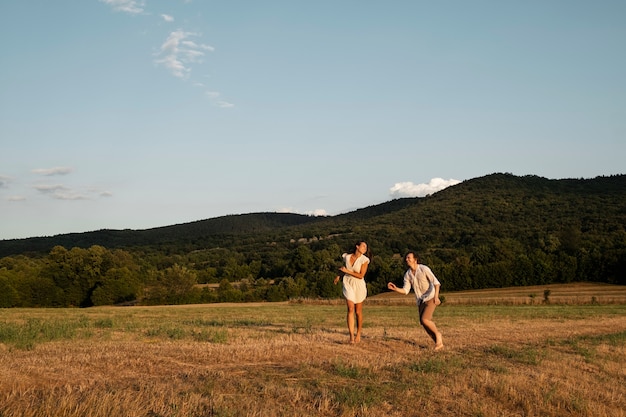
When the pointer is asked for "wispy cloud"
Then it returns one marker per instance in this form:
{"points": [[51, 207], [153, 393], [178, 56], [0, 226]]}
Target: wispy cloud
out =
{"points": [[408, 189], [48, 172], [177, 53], [59, 192], [126, 6], [4, 181], [214, 96], [63, 192], [225, 104], [16, 198]]}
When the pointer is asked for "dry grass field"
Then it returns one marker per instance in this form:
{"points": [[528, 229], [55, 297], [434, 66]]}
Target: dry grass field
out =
{"points": [[577, 293], [292, 359]]}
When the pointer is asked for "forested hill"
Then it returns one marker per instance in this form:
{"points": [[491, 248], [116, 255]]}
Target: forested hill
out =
{"points": [[231, 225], [499, 230], [477, 211]]}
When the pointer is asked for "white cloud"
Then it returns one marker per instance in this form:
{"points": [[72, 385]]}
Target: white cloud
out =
{"points": [[177, 53], [194, 46], [62, 192], [214, 97], [50, 188], [126, 6], [52, 171], [4, 181], [69, 196], [16, 198], [316, 212], [408, 189], [59, 192]]}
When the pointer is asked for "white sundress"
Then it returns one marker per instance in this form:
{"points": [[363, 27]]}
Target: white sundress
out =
{"points": [[354, 289]]}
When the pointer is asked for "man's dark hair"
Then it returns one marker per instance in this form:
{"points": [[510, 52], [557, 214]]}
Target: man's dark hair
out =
{"points": [[415, 255]]}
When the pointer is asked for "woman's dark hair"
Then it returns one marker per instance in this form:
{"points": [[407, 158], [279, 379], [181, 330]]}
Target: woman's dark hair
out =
{"points": [[369, 251]]}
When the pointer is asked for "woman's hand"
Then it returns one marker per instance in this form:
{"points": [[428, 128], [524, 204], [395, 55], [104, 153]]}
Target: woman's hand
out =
{"points": [[392, 286], [336, 280]]}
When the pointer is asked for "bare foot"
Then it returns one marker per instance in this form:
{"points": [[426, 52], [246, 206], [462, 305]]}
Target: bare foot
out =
{"points": [[357, 339], [438, 341]]}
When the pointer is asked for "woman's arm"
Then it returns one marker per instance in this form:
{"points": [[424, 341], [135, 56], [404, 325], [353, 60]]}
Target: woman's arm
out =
{"points": [[359, 275]]}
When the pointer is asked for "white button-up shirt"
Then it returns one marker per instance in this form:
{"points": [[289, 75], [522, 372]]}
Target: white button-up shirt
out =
{"points": [[423, 282]]}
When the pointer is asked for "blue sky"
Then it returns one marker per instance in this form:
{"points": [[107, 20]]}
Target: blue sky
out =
{"points": [[120, 114]]}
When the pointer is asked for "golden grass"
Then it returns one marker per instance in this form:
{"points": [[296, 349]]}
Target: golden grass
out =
{"points": [[286, 359]]}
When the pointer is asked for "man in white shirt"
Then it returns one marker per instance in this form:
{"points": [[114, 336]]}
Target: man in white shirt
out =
{"points": [[426, 287]]}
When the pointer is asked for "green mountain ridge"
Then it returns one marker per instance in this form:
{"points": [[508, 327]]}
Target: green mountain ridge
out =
{"points": [[497, 201]]}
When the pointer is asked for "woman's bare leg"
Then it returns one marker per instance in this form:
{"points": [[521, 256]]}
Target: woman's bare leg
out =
{"points": [[350, 319], [359, 321]]}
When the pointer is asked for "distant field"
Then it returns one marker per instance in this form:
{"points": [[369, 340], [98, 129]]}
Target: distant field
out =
{"points": [[576, 293], [292, 359]]}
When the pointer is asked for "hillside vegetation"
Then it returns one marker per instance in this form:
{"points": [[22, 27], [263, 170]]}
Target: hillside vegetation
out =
{"points": [[496, 231]]}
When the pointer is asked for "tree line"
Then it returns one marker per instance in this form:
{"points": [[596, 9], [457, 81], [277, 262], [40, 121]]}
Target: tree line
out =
{"points": [[99, 276]]}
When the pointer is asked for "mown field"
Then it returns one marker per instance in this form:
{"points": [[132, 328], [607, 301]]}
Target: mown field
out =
{"points": [[293, 359], [578, 293]]}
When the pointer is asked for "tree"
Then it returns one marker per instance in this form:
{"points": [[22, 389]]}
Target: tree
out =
{"points": [[8, 295], [120, 285], [226, 293], [302, 260], [177, 281]]}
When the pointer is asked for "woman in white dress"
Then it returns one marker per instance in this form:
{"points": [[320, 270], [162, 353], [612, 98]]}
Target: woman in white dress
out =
{"points": [[354, 287]]}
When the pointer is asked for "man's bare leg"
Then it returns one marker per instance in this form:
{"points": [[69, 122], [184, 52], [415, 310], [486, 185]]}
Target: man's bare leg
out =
{"points": [[426, 314]]}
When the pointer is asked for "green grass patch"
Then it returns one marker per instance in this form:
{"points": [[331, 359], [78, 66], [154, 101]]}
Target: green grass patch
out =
{"points": [[227, 323], [348, 371], [211, 336], [586, 345], [525, 355], [431, 365], [26, 334], [359, 396]]}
